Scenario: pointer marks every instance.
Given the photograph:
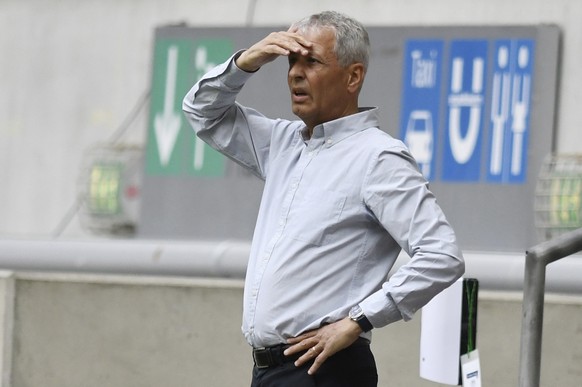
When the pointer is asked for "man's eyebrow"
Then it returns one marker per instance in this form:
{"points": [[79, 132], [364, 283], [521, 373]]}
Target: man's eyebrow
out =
{"points": [[293, 57]]}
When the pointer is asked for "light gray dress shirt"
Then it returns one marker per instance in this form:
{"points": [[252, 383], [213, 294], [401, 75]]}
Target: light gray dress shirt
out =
{"points": [[336, 211]]}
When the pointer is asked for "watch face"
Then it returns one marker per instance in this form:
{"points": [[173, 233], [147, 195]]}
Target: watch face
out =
{"points": [[356, 312]]}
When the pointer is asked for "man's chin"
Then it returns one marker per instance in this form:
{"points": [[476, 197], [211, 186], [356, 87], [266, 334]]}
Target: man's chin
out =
{"points": [[298, 111]]}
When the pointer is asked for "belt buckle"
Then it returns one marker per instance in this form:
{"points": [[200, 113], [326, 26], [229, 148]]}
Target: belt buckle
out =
{"points": [[264, 361]]}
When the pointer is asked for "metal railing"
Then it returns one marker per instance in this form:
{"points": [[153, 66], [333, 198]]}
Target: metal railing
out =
{"points": [[536, 260]]}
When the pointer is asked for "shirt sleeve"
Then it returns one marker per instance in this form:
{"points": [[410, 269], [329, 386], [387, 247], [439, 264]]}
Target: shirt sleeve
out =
{"points": [[212, 111], [398, 195]]}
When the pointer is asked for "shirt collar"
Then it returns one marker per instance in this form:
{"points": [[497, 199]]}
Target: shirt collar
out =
{"points": [[332, 132]]}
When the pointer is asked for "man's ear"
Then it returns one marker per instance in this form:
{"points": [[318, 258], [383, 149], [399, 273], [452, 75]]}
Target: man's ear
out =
{"points": [[356, 75]]}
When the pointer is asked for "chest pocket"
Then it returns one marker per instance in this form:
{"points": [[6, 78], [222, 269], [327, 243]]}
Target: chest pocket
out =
{"points": [[314, 219]]}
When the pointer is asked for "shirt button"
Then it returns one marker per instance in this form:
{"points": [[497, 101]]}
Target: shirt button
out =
{"points": [[329, 140]]}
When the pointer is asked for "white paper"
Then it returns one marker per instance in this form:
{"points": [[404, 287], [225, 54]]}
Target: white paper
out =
{"points": [[440, 336], [471, 369]]}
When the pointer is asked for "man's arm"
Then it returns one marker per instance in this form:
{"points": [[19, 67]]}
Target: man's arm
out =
{"points": [[211, 109], [398, 195]]}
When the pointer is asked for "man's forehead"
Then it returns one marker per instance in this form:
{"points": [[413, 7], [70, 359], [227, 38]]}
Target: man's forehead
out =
{"points": [[323, 31], [323, 38]]}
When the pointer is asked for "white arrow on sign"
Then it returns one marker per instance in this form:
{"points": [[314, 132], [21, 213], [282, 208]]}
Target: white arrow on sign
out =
{"points": [[167, 124]]}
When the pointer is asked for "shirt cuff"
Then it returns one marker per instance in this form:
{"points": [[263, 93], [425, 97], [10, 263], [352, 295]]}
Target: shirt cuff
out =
{"points": [[235, 76], [380, 309]]}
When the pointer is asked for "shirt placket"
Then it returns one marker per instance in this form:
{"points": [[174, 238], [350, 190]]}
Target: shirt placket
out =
{"points": [[308, 153]]}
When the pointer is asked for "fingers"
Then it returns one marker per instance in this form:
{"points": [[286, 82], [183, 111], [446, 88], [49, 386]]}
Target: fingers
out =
{"points": [[301, 338], [301, 344], [318, 353], [322, 343], [276, 44], [314, 345], [310, 346], [319, 360], [289, 41]]}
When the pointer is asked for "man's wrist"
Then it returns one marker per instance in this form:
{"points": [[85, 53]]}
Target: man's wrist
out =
{"points": [[357, 315], [242, 65]]}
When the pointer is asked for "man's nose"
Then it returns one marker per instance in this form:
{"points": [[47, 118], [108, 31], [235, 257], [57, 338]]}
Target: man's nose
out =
{"points": [[296, 70]]}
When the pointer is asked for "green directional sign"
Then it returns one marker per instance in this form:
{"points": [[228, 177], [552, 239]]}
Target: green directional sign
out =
{"points": [[169, 84], [172, 148], [207, 53]]}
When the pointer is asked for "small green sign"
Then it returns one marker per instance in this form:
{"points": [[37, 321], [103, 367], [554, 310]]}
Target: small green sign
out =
{"points": [[104, 189], [566, 201]]}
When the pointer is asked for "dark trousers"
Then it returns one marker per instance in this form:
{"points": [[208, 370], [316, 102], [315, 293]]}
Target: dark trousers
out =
{"points": [[353, 367]]}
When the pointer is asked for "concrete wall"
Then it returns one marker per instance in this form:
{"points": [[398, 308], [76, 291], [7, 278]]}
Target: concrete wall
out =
{"points": [[72, 70], [81, 330]]}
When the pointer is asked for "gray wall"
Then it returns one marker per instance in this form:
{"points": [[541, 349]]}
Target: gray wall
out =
{"points": [[80, 330], [72, 70]]}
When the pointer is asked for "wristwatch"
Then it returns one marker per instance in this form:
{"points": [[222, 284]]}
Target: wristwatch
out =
{"points": [[357, 314]]}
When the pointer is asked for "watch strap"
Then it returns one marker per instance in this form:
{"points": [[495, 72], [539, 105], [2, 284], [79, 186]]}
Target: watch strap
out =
{"points": [[364, 323]]}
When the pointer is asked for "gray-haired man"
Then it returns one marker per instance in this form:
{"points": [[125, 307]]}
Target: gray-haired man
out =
{"points": [[341, 199]]}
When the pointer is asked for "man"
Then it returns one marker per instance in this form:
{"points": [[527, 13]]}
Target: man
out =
{"points": [[341, 199]]}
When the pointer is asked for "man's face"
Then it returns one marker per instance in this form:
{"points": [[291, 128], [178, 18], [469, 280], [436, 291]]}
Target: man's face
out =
{"points": [[317, 82]]}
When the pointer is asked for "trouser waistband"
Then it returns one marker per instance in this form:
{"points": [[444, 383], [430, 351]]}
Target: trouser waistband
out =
{"points": [[266, 357]]}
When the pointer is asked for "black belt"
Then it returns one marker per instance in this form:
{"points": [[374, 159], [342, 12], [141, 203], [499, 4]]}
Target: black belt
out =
{"points": [[267, 357]]}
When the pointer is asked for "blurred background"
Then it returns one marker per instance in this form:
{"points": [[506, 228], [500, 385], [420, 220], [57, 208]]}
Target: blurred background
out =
{"points": [[75, 74], [118, 230]]}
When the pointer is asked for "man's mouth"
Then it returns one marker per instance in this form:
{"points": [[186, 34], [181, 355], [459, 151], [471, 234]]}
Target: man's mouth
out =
{"points": [[299, 95]]}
